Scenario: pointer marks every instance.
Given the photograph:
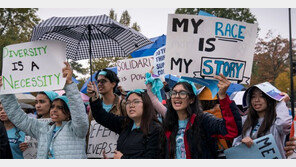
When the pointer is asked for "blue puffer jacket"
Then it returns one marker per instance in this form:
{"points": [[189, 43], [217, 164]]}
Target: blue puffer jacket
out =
{"points": [[68, 142]]}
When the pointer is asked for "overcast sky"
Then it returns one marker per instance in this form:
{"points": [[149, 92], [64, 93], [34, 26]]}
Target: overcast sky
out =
{"points": [[153, 21]]}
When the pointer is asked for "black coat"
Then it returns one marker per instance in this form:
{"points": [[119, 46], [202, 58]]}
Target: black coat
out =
{"points": [[131, 143], [5, 152]]}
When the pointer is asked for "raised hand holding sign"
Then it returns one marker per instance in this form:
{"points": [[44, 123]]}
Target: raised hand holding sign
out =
{"points": [[33, 66]]}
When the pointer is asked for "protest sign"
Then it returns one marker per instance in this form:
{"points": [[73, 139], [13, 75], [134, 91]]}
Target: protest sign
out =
{"points": [[202, 47], [158, 64], [131, 72], [265, 87], [31, 151], [100, 139], [262, 148], [33, 66]]}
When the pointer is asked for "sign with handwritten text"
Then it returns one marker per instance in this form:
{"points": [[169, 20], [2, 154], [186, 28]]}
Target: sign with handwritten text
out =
{"points": [[131, 72], [101, 139], [33, 66], [263, 148], [159, 56], [202, 47]]}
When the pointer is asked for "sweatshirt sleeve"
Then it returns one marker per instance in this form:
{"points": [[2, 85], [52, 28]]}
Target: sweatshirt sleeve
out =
{"points": [[230, 126], [108, 120], [283, 120], [19, 118], [77, 109], [159, 107]]}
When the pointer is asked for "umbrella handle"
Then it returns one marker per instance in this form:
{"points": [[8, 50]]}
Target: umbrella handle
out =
{"points": [[89, 42]]}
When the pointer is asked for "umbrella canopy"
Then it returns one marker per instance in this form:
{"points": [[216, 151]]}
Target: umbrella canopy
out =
{"points": [[26, 106], [84, 97], [108, 38], [25, 98], [149, 50]]}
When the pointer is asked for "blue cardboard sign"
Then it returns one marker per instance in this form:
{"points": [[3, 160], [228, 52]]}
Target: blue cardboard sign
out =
{"points": [[262, 148]]}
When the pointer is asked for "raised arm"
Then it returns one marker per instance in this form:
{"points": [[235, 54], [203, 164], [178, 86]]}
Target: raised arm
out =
{"points": [[230, 126], [108, 120], [19, 118], [159, 107], [79, 123]]}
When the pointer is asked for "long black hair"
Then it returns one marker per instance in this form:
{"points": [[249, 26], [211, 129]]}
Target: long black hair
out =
{"points": [[149, 113], [252, 118], [171, 124]]}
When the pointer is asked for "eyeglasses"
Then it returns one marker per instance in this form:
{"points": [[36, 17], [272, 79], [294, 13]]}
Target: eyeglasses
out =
{"points": [[102, 81], [182, 94], [135, 103]]}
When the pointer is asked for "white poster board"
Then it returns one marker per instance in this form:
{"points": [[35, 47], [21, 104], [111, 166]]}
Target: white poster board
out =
{"points": [[31, 151], [33, 66], [100, 139], [131, 72], [159, 57], [202, 47]]}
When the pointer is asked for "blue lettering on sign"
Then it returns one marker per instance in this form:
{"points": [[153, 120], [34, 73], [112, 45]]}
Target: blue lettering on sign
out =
{"points": [[226, 67], [205, 63], [228, 30]]}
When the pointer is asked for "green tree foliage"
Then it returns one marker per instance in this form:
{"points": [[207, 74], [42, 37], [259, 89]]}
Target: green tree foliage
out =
{"points": [[101, 63], [136, 27], [270, 59], [78, 68], [16, 25], [283, 83], [113, 15], [238, 14], [125, 18]]}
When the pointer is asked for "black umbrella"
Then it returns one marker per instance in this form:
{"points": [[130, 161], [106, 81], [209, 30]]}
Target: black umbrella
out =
{"points": [[91, 36]]}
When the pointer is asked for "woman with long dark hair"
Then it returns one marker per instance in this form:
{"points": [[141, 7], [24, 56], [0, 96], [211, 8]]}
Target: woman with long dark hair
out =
{"points": [[265, 116], [139, 131], [189, 131]]}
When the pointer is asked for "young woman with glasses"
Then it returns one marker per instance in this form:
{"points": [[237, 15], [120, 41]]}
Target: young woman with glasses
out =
{"points": [[139, 132], [189, 131]]}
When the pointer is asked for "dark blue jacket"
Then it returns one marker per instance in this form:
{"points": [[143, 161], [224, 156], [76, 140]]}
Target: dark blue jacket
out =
{"points": [[131, 143]]}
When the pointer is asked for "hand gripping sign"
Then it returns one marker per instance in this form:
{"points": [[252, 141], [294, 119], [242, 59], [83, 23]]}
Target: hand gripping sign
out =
{"points": [[202, 47], [33, 66], [263, 148]]}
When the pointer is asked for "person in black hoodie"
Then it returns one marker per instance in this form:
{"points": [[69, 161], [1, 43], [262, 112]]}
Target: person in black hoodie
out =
{"points": [[140, 132], [5, 152]]}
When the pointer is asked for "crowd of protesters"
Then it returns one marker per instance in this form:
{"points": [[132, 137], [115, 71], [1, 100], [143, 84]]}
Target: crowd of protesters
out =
{"points": [[189, 125]]}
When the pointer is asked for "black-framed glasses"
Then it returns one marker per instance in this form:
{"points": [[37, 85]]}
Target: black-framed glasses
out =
{"points": [[102, 81], [134, 103], [182, 94]]}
